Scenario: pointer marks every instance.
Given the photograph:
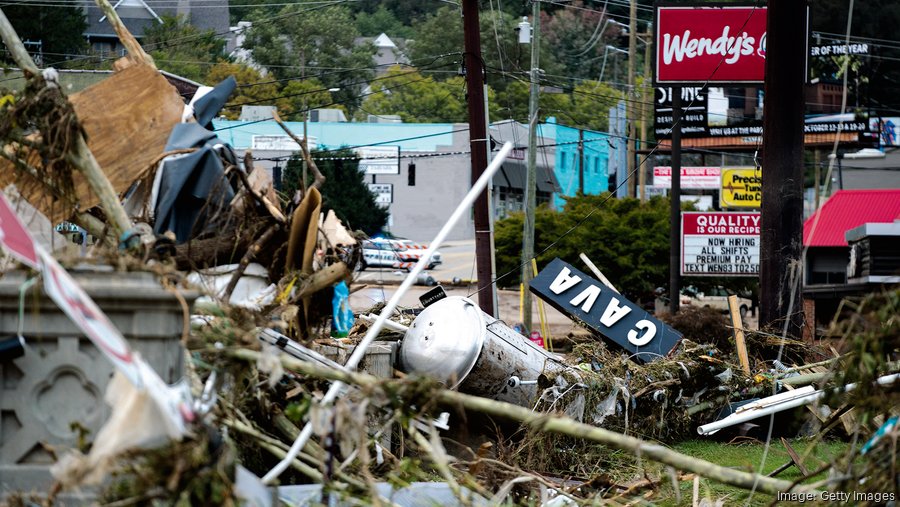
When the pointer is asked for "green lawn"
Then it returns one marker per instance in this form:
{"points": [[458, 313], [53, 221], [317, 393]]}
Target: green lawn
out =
{"points": [[745, 456]]}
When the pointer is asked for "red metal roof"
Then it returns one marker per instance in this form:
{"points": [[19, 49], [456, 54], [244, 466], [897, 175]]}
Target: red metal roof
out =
{"points": [[848, 209]]}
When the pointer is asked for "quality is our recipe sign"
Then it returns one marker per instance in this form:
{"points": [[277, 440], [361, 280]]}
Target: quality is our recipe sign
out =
{"points": [[720, 243]]}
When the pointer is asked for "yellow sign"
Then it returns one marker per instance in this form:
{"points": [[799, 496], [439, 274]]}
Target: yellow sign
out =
{"points": [[741, 187]]}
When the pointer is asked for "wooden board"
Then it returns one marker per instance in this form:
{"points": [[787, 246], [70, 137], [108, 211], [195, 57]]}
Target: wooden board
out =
{"points": [[127, 118]]}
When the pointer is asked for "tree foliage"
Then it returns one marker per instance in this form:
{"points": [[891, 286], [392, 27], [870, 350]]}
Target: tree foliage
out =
{"points": [[306, 39], [627, 240], [344, 191], [253, 88], [181, 48], [58, 30], [381, 20], [417, 98]]}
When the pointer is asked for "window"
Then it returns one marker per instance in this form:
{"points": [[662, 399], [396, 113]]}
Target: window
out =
{"points": [[411, 174]]}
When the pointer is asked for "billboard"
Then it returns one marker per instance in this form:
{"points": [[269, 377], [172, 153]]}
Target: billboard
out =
{"points": [[699, 178], [701, 44], [741, 187], [720, 243], [379, 159]]}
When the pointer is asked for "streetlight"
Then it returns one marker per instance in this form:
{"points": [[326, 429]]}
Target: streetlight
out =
{"points": [[606, 52]]}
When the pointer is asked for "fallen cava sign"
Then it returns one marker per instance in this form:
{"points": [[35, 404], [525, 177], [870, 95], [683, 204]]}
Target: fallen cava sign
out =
{"points": [[604, 310]]}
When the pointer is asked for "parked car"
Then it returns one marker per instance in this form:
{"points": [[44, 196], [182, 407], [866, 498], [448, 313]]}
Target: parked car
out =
{"points": [[394, 253], [716, 298]]}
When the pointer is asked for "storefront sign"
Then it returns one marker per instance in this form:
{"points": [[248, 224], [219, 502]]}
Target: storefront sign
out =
{"points": [[706, 178], [741, 188], [719, 244], [604, 310], [384, 192], [710, 44], [379, 159]]}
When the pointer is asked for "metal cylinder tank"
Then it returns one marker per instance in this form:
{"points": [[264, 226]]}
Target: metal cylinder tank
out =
{"points": [[456, 343]]}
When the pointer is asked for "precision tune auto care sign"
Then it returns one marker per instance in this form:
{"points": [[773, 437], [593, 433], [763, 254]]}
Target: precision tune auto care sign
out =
{"points": [[719, 243], [718, 43], [604, 310]]}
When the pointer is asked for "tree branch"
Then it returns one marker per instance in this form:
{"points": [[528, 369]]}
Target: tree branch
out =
{"points": [[318, 177]]}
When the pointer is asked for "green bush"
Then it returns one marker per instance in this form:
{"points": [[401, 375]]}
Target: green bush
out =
{"points": [[627, 240]]}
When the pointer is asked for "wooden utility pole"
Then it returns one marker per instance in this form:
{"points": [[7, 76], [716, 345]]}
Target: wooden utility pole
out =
{"points": [[645, 99], [531, 177], [675, 206], [782, 165], [477, 136], [632, 53]]}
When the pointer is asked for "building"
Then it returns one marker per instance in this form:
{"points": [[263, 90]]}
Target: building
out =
{"points": [[581, 161], [827, 257], [138, 15], [509, 183], [420, 171]]}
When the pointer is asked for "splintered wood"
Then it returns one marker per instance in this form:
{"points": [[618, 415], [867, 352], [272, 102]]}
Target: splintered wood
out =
{"points": [[127, 119]]}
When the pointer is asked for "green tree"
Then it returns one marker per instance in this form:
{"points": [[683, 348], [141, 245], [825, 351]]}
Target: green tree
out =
{"points": [[344, 191], [297, 97], [308, 40], [382, 20], [417, 98], [408, 12], [441, 33], [591, 101], [578, 40], [58, 30], [627, 240], [253, 88], [513, 103], [181, 48]]}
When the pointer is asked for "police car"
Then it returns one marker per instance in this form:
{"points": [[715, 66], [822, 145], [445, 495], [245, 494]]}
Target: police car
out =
{"points": [[394, 253]]}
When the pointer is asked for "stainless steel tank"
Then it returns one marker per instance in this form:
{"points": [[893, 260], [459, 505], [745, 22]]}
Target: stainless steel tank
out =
{"points": [[456, 343]]}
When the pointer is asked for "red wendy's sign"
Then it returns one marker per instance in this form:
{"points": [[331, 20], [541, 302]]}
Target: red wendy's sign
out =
{"points": [[715, 44]]}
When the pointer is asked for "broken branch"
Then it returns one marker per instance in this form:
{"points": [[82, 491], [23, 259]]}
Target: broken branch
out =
{"points": [[318, 177], [134, 48], [555, 424]]}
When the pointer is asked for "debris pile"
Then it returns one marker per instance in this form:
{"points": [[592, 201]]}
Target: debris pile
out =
{"points": [[272, 405]]}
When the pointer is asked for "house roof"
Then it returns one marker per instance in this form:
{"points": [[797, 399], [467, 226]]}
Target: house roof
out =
{"points": [[847, 209]]}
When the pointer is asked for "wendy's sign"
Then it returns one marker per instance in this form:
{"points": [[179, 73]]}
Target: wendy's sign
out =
{"points": [[604, 310], [716, 43]]}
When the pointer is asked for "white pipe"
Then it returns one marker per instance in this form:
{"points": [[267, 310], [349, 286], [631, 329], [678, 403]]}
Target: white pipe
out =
{"points": [[596, 271], [749, 415], [391, 305]]}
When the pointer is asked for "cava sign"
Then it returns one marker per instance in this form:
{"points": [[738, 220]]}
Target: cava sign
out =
{"points": [[604, 310]]}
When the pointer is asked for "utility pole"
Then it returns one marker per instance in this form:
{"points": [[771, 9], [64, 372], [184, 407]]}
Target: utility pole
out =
{"points": [[645, 87], [531, 177], [782, 162], [477, 137], [675, 206], [632, 52]]}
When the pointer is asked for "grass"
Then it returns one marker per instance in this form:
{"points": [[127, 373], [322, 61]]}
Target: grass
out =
{"points": [[746, 456]]}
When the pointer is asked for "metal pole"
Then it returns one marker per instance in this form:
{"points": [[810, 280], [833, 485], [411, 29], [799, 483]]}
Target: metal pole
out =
{"points": [[531, 176], [675, 206], [477, 136], [840, 157], [632, 130], [782, 161]]}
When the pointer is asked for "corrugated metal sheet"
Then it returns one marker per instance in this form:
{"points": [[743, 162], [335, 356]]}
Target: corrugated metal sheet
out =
{"points": [[847, 209]]}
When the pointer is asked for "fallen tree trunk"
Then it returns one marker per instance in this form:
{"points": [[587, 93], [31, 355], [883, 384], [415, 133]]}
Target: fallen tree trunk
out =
{"points": [[556, 424]]}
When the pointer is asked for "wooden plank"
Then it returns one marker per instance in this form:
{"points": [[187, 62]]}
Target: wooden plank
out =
{"points": [[738, 326], [127, 119]]}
